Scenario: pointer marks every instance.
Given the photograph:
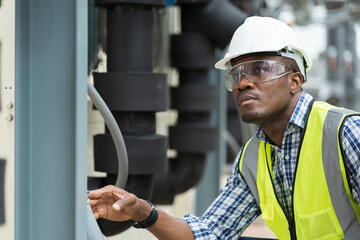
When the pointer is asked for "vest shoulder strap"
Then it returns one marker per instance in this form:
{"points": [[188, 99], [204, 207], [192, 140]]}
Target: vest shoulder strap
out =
{"points": [[248, 170]]}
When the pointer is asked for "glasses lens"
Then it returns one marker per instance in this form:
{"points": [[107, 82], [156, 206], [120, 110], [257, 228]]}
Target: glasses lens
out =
{"points": [[255, 71], [259, 71]]}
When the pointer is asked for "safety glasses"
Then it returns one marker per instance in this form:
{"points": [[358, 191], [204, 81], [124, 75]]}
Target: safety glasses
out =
{"points": [[257, 71]]}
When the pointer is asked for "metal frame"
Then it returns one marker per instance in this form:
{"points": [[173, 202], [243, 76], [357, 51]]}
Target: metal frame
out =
{"points": [[51, 119]]}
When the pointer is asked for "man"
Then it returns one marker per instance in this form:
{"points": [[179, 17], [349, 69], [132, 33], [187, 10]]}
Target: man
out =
{"points": [[301, 168]]}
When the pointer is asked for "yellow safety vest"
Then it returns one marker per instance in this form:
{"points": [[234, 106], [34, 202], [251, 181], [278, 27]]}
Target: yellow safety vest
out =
{"points": [[323, 206]]}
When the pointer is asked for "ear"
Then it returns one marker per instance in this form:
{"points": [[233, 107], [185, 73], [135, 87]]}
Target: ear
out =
{"points": [[296, 82]]}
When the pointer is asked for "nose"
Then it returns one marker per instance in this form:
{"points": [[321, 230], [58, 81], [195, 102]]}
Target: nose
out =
{"points": [[244, 83]]}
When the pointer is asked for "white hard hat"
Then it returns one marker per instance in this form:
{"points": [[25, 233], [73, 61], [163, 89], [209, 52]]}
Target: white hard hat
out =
{"points": [[265, 35]]}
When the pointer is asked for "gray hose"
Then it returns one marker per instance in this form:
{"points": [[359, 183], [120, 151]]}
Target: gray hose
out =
{"points": [[231, 141], [115, 133], [93, 230]]}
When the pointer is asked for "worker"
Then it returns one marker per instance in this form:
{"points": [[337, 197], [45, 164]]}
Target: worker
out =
{"points": [[300, 170]]}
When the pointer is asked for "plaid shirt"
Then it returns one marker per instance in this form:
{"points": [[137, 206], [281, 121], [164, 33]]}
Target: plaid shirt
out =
{"points": [[235, 208]]}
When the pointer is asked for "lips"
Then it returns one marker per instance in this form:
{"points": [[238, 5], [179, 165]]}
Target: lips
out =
{"points": [[244, 99]]}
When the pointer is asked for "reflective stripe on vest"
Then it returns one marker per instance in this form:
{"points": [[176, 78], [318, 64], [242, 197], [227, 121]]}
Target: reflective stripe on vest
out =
{"points": [[322, 202], [339, 190]]}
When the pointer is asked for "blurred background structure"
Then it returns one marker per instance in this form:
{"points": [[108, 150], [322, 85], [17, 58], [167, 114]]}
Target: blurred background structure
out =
{"points": [[152, 63]]}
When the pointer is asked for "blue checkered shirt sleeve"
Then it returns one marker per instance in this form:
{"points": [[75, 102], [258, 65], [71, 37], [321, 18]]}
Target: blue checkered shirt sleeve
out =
{"points": [[231, 212], [351, 146]]}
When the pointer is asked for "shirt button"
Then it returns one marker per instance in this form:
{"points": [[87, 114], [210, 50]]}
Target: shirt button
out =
{"points": [[287, 157]]}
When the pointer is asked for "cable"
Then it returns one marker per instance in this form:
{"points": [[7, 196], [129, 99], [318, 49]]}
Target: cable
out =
{"points": [[232, 142], [93, 230], [115, 133]]}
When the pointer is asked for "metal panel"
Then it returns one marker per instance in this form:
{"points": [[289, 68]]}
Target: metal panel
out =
{"points": [[7, 74], [50, 134]]}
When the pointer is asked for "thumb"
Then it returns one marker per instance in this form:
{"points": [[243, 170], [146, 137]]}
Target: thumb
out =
{"points": [[117, 204]]}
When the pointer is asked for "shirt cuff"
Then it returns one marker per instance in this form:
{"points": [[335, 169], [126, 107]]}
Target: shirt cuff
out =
{"points": [[198, 227]]}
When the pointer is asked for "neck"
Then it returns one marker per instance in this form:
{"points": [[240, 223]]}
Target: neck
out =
{"points": [[275, 129]]}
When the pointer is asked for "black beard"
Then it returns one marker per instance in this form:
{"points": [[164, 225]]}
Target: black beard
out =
{"points": [[255, 118]]}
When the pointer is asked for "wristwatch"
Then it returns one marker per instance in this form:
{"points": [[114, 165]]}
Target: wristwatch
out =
{"points": [[150, 220]]}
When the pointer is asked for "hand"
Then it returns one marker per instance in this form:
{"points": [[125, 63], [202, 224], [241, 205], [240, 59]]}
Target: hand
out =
{"points": [[116, 204]]}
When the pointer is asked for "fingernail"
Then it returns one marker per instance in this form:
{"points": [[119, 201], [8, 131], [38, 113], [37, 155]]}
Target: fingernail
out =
{"points": [[116, 206]]}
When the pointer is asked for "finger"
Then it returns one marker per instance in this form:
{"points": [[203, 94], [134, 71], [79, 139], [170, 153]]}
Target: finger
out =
{"points": [[94, 203], [94, 194], [118, 195], [96, 215], [100, 212], [97, 193], [117, 205], [125, 201], [107, 190]]}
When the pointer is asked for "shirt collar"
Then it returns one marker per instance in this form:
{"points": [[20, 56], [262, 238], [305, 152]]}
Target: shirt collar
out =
{"points": [[297, 118], [299, 114]]}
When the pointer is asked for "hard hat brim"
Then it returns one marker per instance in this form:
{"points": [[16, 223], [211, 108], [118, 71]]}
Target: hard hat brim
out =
{"points": [[224, 63]]}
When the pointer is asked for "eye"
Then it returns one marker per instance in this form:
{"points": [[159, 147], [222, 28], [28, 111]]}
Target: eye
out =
{"points": [[260, 69]]}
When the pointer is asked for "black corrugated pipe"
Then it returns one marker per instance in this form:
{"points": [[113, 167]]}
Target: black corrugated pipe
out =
{"points": [[217, 19], [205, 26], [133, 93]]}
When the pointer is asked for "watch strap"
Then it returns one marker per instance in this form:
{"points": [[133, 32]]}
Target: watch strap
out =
{"points": [[150, 220]]}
